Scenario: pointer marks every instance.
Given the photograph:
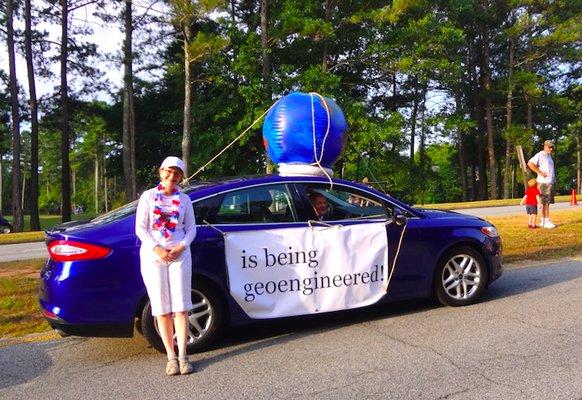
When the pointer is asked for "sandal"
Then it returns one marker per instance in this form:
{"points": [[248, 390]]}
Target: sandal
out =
{"points": [[186, 367], [172, 367]]}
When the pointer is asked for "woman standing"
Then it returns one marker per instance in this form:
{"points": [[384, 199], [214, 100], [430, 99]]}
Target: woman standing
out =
{"points": [[166, 226]]}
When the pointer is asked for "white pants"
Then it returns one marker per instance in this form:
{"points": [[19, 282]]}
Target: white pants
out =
{"points": [[168, 285]]}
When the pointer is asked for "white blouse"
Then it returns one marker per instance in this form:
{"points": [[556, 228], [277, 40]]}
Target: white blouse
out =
{"points": [[184, 233]]}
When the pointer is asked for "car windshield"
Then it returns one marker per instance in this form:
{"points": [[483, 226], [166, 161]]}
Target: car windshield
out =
{"points": [[116, 214], [353, 206]]}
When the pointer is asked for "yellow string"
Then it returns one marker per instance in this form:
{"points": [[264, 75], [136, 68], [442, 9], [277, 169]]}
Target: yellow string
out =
{"points": [[231, 143]]}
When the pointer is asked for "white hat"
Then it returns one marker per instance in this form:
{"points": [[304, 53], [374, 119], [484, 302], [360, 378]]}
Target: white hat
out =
{"points": [[173, 162]]}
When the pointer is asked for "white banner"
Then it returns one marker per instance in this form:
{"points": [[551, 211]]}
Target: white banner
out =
{"points": [[284, 272]]}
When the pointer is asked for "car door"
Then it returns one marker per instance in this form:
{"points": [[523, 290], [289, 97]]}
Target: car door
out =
{"points": [[251, 208], [352, 205]]}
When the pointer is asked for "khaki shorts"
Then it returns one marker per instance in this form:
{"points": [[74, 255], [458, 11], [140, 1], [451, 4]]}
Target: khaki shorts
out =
{"points": [[547, 193]]}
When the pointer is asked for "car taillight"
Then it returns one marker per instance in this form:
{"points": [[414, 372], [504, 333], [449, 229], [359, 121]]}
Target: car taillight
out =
{"points": [[67, 250]]}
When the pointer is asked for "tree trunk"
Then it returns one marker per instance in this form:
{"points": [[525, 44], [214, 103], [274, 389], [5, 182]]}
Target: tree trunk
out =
{"points": [[17, 220], [266, 68], [578, 165], [233, 11], [413, 120], [129, 169], [422, 148], [479, 174], [187, 30], [509, 118], [65, 128], [105, 194], [74, 182], [488, 106], [529, 102], [22, 207], [34, 215], [325, 52], [1, 187], [461, 148], [96, 183], [104, 180]]}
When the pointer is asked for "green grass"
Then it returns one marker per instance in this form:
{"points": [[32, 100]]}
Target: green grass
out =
{"points": [[521, 243], [19, 310]]}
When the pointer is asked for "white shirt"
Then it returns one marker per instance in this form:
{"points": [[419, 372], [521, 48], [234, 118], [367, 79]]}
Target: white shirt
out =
{"points": [[184, 233], [545, 163]]}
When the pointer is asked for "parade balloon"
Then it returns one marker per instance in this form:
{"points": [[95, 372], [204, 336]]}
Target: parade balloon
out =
{"points": [[304, 129]]}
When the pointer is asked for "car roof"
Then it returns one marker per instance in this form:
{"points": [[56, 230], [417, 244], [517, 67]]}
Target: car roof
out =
{"points": [[204, 188], [234, 182]]}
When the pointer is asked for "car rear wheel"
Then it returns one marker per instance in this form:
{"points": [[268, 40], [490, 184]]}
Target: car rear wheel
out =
{"points": [[205, 320], [461, 277]]}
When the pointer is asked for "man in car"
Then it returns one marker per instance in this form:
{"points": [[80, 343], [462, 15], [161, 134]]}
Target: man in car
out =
{"points": [[320, 206]]}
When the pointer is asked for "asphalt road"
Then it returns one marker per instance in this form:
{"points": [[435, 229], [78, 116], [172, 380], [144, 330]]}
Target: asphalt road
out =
{"points": [[524, 341], [23, 251]]}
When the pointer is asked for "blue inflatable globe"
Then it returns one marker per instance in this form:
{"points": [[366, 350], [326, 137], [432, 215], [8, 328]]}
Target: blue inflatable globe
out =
{"points": [[304, 128]]}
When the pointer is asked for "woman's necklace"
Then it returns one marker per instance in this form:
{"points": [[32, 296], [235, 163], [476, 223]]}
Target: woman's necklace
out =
{"points": [[165, 220]]}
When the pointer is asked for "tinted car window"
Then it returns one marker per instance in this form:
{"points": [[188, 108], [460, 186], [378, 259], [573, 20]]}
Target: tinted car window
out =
{"points": [[259, 204], [205, 210], [349, 203], [116, 214]]}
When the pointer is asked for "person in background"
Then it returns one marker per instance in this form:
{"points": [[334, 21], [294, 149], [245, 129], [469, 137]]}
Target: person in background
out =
{"points": [[531, 199], [166, 226], [543, 165], [320, 206]]}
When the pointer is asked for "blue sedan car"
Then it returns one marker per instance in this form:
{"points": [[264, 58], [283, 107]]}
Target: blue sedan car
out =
{"points": [[91, 283]]}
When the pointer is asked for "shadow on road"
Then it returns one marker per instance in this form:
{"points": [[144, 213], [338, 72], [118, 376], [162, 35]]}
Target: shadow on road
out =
{"points": [[269, 333], [529, 279], [24, 362]]}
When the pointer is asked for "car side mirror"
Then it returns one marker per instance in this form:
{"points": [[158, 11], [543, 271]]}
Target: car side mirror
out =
{"points": [[399, 218]]}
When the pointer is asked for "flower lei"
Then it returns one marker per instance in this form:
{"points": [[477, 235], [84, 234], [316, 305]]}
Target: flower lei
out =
{"points": [[165, 222]]}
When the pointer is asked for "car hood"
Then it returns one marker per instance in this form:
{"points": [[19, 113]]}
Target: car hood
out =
{"points": [[433, 213]]}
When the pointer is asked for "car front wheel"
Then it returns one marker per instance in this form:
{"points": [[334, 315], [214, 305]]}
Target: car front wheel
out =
{"points": [[205, 320], [461, 277]]}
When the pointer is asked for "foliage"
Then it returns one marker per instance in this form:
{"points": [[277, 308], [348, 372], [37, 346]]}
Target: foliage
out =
{"points": [[407, 73]]}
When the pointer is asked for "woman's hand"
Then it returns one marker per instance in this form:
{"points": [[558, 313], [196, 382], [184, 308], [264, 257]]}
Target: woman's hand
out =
{"points": [[174, 252], [162, 253]]}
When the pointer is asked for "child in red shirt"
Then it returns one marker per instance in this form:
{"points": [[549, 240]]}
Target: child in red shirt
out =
{"points": [[531, 199]]}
